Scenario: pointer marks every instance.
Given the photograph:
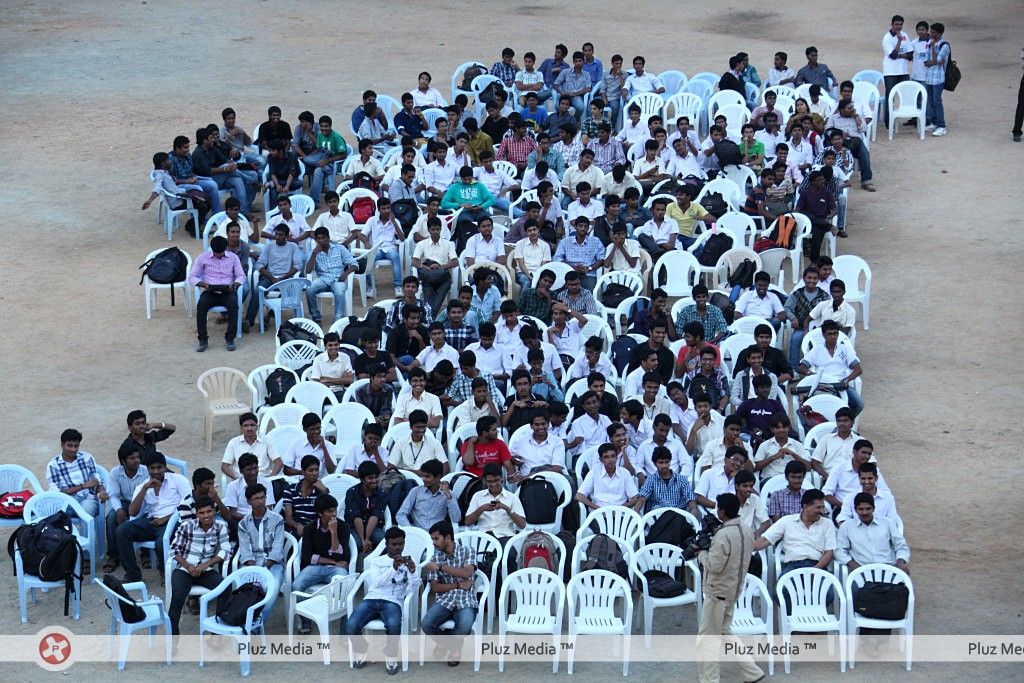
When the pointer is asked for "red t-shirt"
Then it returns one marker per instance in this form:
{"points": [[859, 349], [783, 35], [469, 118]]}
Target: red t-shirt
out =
{"points": [[495, 451]]}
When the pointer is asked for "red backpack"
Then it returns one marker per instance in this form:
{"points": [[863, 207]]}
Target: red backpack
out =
{"points": [[540, 552], [12, 505], [363, 209]]}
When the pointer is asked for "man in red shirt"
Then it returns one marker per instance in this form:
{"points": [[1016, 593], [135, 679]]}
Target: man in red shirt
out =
{"points": [[485, 448]]}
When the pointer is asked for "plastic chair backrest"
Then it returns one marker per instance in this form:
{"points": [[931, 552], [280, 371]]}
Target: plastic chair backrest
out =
{"points": [[808, 589], [614, 520], [296, 353], [681, 270], [312, 395], [13, 478], [594, 592]]}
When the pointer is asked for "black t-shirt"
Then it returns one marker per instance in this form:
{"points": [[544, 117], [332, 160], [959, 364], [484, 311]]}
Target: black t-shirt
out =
{"points": [[362, 363], [401, 344], [496, 129], [609, 407], [774, 361], [666, 361], [521, 417], [147, 449]]}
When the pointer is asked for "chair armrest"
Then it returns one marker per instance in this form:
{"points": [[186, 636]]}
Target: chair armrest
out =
{"points": [[137, 586]]}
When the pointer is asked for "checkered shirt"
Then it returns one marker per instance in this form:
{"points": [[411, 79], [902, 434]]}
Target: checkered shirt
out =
{"points": [[61, 474], [456, 599], [674, 493], [198, 546], [784, 502]]}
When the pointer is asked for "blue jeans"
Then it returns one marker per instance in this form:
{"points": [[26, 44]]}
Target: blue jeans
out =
{"points": [[321, 174], [935, 114], [111, 528], [254, 158], [271, 192], [336, 287], [277, 570], [375, 538], [365, 612], [842, 210], [854, 400], [577, 104], [795, 339], [133, 531], [438, 614], [396, 267], [616, 111], [500, 205], [523, 281], [860, 151], [233, 181], [313, 575], [212, 192]]}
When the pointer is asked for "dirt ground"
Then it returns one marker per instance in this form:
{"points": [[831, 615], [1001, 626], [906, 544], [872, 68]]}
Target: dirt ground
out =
{"points": [[95, 89]]}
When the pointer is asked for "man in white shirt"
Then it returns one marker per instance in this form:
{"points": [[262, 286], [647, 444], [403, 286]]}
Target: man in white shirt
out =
{"points": [[418, 398], [438, 350], [585, 205], [589, 429], [489, 357], [884, 503], [682, 163], [583, 172], [720, 479], [495, 510], [807, 539], [801, 151], [662, 436], [530, 255], [249, 442], [425, 96], [496, 182], [385, 232], [780, 73], [623, 253], [534, 450], [760, 302], [369, 450], [770, 136], [708, 158], [836, 309], [871, 539], [410, 452], [332, 368], [834, 449], [752, 509], [640, 81], [339, 223], [315, 444], [365, 163], [658, 235], [440, 173], [774, 454], [844, 480], [921, 53], [897, 54], [608, 484], [234, 492], [835, 364], [634, 131], [434, 261], [484, 246]]}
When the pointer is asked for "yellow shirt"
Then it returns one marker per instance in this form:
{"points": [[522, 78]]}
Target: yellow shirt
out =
{"points": [[685, 219]]}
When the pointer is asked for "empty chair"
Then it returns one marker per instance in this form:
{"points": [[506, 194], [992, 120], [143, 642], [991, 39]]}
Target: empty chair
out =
{"points": [[296, 354], [151, 288], [673, 81], [739, 224], [807, 591], [617, 521], [313, 395], [680, 271], [209, 623], [281, 416], [742, 175], [724, 98], [539, 600], [592, 598], [730, 350], [324, 605], [14, 479], [683, 104], [459, 74], [669, 559], [753, 614], [221, 388], [850, 269], [880, 573], [731, 192], [346, 421], [907, 100]]}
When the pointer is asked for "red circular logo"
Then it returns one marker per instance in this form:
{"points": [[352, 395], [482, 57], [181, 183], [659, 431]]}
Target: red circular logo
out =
{"points": [[54, 648]]}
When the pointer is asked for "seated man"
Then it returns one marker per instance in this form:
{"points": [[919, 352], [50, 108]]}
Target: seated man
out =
{"points": [[452, 577], [434, 260], [807, 539], [870, 538], [369, 450], [199, 546], [530, 255], [523, 405], [575, 300], [457, 333], [774, 359], [844, 480], [412, 452], [743, 383], [687, 213], [209, 162], [667, 488], [589, 429], [218, 274], [123, 481], [385, 232], [757, 411], [495, 510], [438, 350], [418, 399], [774, 455], [279, 260], [836, 310], [332, 264], [249, 441], [761, 303], [469, 195], [707, 426], [406, 340], [608, 484], [535, 450], [235, 499], [786, 501], [883, 502], [364, 508], [330, 148], [372, 356], [583, 252], [485, 448], [835, 449], [799, 305], [483, 246], [73, 473], [752, 508], [731, 437], [708, 380], [300, 497], [486, 302], [314, 444], [478, 405], [721, 479], [333, 368], [284, 176], [325, 551], [835, 364], [708, 315], [390, 577], [158, 498], [854, 128], [378, 395], [430, 503], [593, 359], [261, 538]]}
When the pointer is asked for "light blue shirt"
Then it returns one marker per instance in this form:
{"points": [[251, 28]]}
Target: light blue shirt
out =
{"points": [[486, 307], [279, 260]]}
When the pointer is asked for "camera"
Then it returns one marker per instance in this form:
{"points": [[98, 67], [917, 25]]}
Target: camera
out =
{"points": [[702, 539]]}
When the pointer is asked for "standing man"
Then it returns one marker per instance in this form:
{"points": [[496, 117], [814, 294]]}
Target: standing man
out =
{"points": [[897, 54], [935, 78], [218, 274], [725, 568]]}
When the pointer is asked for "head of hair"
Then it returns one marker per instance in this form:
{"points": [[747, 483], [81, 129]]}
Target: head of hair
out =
{"points": [[368, 469], [795, 467], [310, 420], [433, 468], [324, 502], [70, 435], [743, 477], [201, 476], [247, 460], [811, 496], [418, 417], [309, 461], [729, 504]]}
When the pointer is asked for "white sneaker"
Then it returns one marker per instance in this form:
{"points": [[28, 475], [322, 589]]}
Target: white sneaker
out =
{"points": [[929, 128], [939, 132], [398, 291]]}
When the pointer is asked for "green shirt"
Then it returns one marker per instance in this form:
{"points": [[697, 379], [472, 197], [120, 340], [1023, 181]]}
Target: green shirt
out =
{"points": [[756, 147], [459, 193], [333, 144]]}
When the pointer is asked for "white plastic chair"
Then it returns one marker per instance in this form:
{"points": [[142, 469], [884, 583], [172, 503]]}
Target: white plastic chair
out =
{"points": [[622, 312], [867, 95], [169, 217], [539, 601], [772, 261], [673, 81], [736, 115], [13, 478], [621, 277], [649, 518], [312, 395], [871, 76], [242, 634], [322, 606], [649, 103], [257, 381], [807, 590], [907, 100], [364, 279], [154, 617], [684, 103], [748, 621], [724, 98], [748, 323], [220, 388], [666, 558], [558, 268], [681, 271], [882, 573], [484, 590], [849, 269], [742, 175], [591, 598], [28, 583], [308, 325], [479, 542], [42, 505], [339, 483], [516, 543], [739, 224], [151, 288], [616, 521], [457, 78], [346, 421], [731, 192], [824, 404], [286, 294], [780, 91], [296, 354], [730, 349], [730, 261], [281, 416]]}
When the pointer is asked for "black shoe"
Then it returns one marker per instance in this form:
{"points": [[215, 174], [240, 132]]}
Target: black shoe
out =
{"points": [[1016, 138], [201, 346], [231, 345]]}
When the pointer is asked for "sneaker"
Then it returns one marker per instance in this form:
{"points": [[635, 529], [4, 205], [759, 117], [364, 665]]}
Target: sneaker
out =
{"points": [[939, 132], [359, 661], [1016, 138], [201, 346], [391, 666], [869, 186], [929, 128], [230, 346], [398, 291]]}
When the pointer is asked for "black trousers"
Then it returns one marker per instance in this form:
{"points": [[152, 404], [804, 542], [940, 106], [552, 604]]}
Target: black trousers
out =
{"points": [[890, 83], [181, 584], [208, 300], [1018, 120]]}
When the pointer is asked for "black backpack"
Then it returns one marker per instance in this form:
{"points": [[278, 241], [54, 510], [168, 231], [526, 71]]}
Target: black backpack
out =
{"points": [[715, 204], [622, 352], [50, 551], [715, 246], [406, 212], [374, 320], [487, 94], [130, 610], [365, 181], [671, 528], [464, 486], [604, 553], [232, 611], [614, 294], [278, 383], [166, 268], [469, 74], [743, 275], [291, 332], [661, 585], [539, 499], [728, 153], [726, 304]]}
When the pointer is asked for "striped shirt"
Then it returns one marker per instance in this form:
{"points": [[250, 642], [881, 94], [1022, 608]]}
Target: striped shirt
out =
{"points": [[784, 502], [197, 546], [936, 74], [516, 149], [61, 474], [458, 598], [659, 493], [302, 506]]}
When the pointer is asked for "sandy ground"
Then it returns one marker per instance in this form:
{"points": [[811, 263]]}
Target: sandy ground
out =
{"points": [[92, 91]]}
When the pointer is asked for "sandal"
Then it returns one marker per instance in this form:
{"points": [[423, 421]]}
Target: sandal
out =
{"points": [[193, 606], [144, 560], [842, 233], [111, 564]]}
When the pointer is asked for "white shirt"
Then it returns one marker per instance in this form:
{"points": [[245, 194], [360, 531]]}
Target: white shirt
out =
{"points": [[899, 66], [487, 360], [504, 338], [605, 489], [634, 382], [573, 176], [660, 233], [645, 82], [633, 135], [439, 177], [479, 249], [425, 100], [710, 433], [691, 135], [495, 181], [591, 210], [234, 494], [834, 367], [879, 542], [775, 76], [641, 166], [846, 316], [497, 522], [619, 261], [594, 432], [800, 542], [800, 154], [681, 460], [832, 450], [440, 252], [683, 166], [549, 452], [751, 304], [714, 454], [323, 366], [921, 54], [341, 226], [408, 454], [844, 481], [238, 446], [430, 357], [885, 507], [753, 512], [467, 412], [714, 482], [420, 228], [770, 141], [568, 340], [532, 180], [515, 357], [427, 402], [534, 255], [769, 448], [709, 163], [581, 368], [372, 166], [163, 504], [302, 448], [357, 455], [382, 234]]}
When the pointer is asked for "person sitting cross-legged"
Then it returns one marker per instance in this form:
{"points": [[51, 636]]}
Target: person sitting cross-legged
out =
{"points": [[325, 552]]}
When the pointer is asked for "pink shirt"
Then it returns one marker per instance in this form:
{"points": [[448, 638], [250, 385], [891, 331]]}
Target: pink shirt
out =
{"points": [[216, 270]]}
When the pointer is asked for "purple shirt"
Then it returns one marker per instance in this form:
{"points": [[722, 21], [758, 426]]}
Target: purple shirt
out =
{"points": [[216, 270]]}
